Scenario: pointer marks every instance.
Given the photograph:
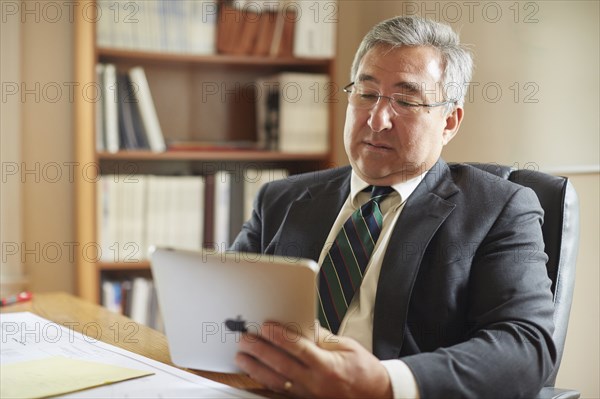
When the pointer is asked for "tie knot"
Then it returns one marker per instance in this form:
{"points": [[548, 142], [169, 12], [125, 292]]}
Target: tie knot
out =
{"points": [[378, 193]]}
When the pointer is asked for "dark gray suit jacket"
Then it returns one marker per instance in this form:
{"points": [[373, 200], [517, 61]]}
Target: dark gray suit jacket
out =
{"points": [[463, 296]]}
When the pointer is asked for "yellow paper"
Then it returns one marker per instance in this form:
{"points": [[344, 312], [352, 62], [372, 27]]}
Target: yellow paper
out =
{"points": [[59, 375]]}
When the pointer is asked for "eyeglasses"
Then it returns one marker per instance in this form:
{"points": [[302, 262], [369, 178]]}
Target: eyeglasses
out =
{"points": [[363, 97]]}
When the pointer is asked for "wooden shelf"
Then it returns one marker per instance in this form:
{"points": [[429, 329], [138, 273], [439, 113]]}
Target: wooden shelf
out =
{"points": [[133, 265], [233, 155], [109, 54]]}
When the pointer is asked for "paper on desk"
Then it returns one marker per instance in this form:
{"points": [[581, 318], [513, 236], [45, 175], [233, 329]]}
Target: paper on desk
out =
{"points": [[26, 337], [58, 375]]}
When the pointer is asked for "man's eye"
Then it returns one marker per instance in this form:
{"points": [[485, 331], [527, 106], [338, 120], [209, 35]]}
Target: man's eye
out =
{"points": [[368, 96], [404, 102]]}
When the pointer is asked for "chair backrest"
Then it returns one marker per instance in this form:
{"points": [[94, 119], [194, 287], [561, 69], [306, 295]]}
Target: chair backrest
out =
{"points": [[561, 239]]}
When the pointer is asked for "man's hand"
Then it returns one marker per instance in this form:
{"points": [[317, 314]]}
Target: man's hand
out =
{"points": [[331, 366]]}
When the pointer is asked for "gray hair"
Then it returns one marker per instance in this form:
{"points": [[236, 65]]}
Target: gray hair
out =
{"points": [[418, 31]]}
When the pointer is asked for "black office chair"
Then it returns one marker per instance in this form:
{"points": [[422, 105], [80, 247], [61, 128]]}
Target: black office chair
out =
{"points": [[561, 239]]}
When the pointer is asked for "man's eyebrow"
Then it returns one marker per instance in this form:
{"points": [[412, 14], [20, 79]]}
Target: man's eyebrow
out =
{"points": [[363, 77], [412, 88], [408, 87]]}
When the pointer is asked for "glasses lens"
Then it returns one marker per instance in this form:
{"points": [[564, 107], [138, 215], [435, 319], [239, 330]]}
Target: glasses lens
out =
{"points": [[365, 97], [362, 97], [405, 104]]}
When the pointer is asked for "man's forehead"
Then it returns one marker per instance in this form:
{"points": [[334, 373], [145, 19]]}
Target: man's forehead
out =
{"points": [[405, 66]]}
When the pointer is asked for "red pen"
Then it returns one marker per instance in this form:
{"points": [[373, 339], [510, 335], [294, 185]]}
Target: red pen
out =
{"points": [[22, 297]]}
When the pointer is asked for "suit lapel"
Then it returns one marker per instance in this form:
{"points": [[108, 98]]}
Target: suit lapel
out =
{"points": [[310, 218], [424, 212]]}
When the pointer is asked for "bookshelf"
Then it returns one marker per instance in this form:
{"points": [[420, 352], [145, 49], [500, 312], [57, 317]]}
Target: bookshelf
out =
{"points": [[215, 155], [113, 54], [186, 111]]}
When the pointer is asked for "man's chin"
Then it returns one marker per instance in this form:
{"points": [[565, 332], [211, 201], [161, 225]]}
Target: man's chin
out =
{"points": [[375, 176], [379, 176]]}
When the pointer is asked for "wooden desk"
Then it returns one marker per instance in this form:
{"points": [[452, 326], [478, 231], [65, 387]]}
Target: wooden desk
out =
{"points": [[118, 330]]}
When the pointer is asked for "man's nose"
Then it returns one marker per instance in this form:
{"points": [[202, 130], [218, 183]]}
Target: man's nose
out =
{"points": [[381, 115]]}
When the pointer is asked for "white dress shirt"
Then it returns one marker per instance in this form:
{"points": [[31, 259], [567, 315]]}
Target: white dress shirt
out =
{"points": [[358, 321]]}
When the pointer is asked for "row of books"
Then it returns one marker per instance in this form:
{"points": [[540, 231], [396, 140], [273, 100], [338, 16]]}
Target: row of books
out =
{"points": [[134, 298], [190, 212], [126, 117], [291, 111], [279, 28], [179, 26], [245, 28]]}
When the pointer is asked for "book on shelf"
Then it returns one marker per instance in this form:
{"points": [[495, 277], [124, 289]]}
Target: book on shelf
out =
{"points": [[141, 297], [188, 212], [121, 217], [133, 297], [236, 206], [147, 111], [136, 212], [279, 28], [230, 27], [175, 211], [126, 287], [132, 133], [308, 100], [99, 110], [264, 34], [226, 200], [267, 113], [104, 27], [177, 26], [158, 224], [131, 238], [231, 196], [112, 296], [282, 44], [315, 31], [126, 117], [110, 105], [293, 112], [261, 28], [222, 206], [208, 240], [139, 128], [228, 205]]}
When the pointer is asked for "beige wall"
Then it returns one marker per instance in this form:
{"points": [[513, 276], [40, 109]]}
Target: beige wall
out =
{"points": [[551, 122], [11, 268], [45, 139], [48, 142], [558, 54]]}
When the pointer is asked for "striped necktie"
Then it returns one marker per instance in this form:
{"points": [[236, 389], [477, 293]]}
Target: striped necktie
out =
{"points": [[344, 266]]}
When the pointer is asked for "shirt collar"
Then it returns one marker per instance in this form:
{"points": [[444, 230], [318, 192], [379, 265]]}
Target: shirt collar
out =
{"points": [[405, 188]]}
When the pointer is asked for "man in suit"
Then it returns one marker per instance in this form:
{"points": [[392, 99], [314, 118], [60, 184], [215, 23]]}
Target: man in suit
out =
{"points": [[455, 300]]}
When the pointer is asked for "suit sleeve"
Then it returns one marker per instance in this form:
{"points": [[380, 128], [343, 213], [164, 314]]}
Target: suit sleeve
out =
{"points": [[250, 239], [509, 351]]}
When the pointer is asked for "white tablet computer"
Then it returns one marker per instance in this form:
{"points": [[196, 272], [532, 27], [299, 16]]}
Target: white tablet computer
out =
{"points": [[207, 298]]}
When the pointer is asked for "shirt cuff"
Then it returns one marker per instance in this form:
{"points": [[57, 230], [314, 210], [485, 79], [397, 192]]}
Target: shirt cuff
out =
{"points": [[404, 385]]}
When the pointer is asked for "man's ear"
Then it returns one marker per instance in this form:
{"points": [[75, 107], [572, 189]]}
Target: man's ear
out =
{"points": [[453, 121]]}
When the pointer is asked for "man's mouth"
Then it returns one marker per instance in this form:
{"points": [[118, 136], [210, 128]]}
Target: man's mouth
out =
{"points": [[377, 146]]}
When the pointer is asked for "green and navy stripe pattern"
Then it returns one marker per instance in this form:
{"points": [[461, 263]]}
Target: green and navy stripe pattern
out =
{"points": [[344, 266]]}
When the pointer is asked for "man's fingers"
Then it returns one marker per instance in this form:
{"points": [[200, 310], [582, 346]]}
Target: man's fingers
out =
{"points": [[261, 373], [326, 339], [294, 343], [278, 360], [275, 358]]}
